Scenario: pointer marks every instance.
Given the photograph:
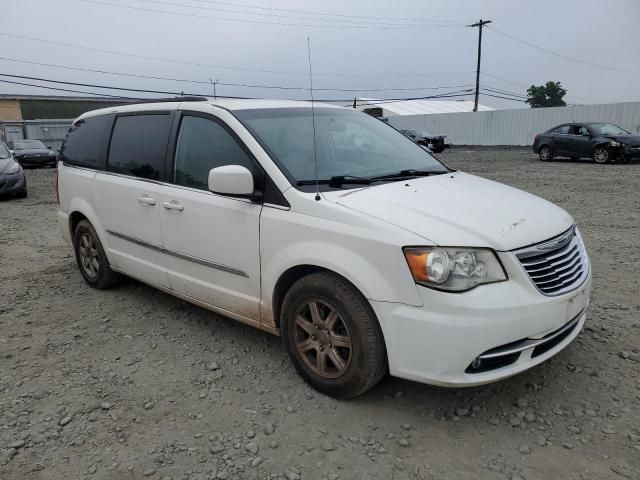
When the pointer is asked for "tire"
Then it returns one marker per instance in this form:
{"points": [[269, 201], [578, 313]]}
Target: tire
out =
{"points": [[601, 155], [343, 316], [545, 153], [22, 194], [93, 265]]}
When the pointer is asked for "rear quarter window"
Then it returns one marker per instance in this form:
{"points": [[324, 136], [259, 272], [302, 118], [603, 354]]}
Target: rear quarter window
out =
{"points": [[138, 145], [86, 142]]}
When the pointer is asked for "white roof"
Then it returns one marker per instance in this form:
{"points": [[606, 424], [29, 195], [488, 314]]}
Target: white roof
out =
{"points": [[227, 103], [420, 107]]}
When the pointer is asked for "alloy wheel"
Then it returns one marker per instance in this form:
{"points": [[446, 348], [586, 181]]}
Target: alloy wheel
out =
{"points": [[545, 153], [322, 339], [601, 155], [89, 258]]}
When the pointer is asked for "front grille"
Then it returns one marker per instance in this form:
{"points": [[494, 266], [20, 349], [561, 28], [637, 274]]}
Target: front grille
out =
{"points": [[558, 265]]}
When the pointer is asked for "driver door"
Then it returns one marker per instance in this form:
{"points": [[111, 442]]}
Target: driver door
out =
{"points": [[580, 143], [211, 241]]}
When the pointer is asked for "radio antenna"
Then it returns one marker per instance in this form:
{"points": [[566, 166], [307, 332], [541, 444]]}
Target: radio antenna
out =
{"points": [[313, 120]]}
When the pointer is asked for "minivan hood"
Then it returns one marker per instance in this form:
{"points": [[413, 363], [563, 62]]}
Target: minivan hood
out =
{"points": [[459, 209]]}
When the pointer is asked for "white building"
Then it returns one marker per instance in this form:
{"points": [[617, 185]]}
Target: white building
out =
{"points": [[390, 108]]}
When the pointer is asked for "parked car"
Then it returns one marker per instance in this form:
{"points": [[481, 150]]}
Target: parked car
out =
{"points": [[366, 255], [12, 179], [604, 142], [33, 153], [436, 143]]}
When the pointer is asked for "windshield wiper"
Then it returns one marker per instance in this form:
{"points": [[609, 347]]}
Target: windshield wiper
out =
{"points": [[337, 181], [407, 174]]}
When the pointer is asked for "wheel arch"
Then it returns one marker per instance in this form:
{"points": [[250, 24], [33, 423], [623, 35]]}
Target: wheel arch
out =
{"points": [[80, 209], [604, 144], [286, 281], [544, 144], [290, 276]]}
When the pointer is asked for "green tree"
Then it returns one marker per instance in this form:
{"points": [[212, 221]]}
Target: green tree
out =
{"points": [[549, 95]]}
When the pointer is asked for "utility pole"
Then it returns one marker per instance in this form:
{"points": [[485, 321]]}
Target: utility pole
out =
{"points": [[214, 86], [479, 24]]}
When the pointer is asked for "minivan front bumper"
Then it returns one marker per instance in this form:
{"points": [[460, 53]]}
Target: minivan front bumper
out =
{"points": [[483, 335]]}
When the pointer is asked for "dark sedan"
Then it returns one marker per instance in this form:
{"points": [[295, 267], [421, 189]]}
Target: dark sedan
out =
{"points": [[603, 142], [33, 153], [12, 179], [436, 143]]}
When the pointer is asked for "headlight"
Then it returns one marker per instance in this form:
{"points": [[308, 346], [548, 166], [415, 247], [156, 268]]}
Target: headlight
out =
{"points": [[454, 269], [13, 168], [614, 143]]}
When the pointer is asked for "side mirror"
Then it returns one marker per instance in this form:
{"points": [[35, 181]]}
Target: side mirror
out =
{"points": [[234, 180]]}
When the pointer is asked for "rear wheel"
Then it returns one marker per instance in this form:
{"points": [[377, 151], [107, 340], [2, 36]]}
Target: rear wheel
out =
{"points": [[332, 336], [545, 153], [91, 258], [601, 155]]}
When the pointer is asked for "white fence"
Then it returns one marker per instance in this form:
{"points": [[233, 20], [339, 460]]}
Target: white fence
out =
{"points": [[517, 127]]}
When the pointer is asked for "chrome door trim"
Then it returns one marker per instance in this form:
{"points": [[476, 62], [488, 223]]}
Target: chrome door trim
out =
{"points": [[179, 255]]}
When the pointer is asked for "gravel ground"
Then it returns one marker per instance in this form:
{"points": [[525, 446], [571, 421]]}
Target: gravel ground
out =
{"points": [[132, 383]]}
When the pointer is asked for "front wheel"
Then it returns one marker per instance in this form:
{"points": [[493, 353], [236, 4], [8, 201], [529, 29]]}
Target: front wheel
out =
{"points": [[545, 153], [601, 155], [332, 336], [91, 258]]}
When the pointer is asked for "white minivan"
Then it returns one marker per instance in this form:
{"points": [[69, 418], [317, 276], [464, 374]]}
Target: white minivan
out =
{"points": [[330, 228]]}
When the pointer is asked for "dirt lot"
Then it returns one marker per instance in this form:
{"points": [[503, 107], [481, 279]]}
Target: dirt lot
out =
{"points": [[133, 383]]}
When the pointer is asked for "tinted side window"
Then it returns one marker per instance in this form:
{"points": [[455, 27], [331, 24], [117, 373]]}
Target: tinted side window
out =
{"points": [[86, 142], [138, 145], [202, 145], [562, 130]]}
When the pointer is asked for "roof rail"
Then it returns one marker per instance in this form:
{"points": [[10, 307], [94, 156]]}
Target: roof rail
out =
{"points": [[185, 98]]}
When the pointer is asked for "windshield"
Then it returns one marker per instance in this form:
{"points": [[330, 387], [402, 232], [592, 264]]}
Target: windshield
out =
{"points": [[607, 129], [349, 143], [27, 144], [4, 151]]}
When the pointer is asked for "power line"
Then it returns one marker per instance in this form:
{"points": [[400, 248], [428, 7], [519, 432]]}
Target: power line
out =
{"points": [[527, 86], [68, 90], [182, 93], [241, 85], [504, 92], [308, 25], [503, 97], [256, 7], [295, 17], [219, 67], [148, 77], [106, 87], [566, 57]]}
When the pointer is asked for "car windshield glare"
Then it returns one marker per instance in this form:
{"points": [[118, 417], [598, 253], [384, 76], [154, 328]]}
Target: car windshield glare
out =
{"points": [[4, 151], [28, 144], [607, 129], [349, 143]]}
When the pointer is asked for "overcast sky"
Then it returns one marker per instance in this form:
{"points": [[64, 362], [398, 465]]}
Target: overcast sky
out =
{"points": [[359, 44]]}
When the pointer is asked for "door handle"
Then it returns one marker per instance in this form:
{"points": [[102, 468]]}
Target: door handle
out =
{"points": [[173, 205], [146, 200]]}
